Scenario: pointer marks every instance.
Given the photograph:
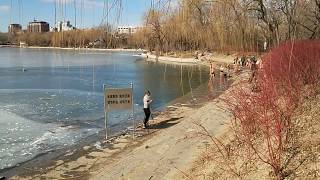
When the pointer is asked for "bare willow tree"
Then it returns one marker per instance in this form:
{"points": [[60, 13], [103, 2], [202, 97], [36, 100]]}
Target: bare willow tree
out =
{"points": [[228, 25], [207, 25], [153, 21]]}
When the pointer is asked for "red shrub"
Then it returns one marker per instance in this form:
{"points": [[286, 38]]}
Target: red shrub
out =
{"points": [[286, 72], [290, 67]]}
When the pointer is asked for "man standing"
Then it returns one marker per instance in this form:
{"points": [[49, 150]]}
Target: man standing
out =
{"points": [[146, 108]]}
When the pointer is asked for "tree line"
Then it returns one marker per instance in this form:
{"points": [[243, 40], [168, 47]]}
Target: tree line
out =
{"points": [[228, 25], [3, 38], [90, 38], [209, 25]]}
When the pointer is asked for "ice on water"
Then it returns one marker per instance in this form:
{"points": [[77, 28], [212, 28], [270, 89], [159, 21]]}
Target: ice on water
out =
{"points": [[36, 122]]}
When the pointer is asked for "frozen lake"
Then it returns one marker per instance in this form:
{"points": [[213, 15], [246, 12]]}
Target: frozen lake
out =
{"points": [[51, 99]]}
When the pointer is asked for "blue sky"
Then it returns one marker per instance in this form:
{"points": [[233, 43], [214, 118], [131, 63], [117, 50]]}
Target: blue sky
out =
{"points": [[92, 12]]}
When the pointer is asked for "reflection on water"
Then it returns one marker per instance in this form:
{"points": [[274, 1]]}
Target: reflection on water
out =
{"points": [[50, 99]]}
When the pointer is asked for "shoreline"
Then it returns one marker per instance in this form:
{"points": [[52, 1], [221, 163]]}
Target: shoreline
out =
{"points": [[41, 160], [151, 57], [77, 49], [216, 59], [171, 151], [85, 150]]}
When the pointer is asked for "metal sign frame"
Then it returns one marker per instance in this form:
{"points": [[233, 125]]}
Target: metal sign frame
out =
{"points": [[106, 112]]}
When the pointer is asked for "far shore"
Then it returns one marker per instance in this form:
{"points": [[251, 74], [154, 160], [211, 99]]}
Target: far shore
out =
{"points": [[152, 57], [5, 46], [216, 59], [78, 49], [91, 49]]}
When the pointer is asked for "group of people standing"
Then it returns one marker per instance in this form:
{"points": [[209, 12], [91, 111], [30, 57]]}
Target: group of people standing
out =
{"points": [[244, 61], [252, 63], [224, 71], [249, 62]]}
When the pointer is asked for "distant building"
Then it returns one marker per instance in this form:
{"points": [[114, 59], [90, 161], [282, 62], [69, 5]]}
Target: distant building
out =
{"points": [[14, 29], [38, 26], [127, 29], [63, 26]]}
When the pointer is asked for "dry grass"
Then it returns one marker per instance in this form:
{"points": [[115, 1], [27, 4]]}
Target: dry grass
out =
{"points": [[303, 150]]}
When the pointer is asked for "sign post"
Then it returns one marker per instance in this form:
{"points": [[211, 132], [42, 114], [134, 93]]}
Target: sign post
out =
{"points": [[105, 123], [105, 112], [133, 130], [119, 99]]}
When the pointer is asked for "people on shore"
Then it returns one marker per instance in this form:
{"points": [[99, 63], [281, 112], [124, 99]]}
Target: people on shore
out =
{"points": [[223, 76], [228, 71], [243, 61], [236, 66], [212, 73], [211, 80], [196, 55], [146, 108], [223, 71], [211, 85], [235, 61], [253, 76], [259, 64]]}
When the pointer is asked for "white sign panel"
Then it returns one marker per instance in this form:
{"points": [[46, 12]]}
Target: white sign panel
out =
{"points": [[117, 99]]}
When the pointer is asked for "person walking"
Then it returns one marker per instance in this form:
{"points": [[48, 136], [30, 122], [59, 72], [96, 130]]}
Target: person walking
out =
{"points": [[146, 107]]}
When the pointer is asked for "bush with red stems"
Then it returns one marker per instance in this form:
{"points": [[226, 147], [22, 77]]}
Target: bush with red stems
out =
{"points": [[289, 74]]}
